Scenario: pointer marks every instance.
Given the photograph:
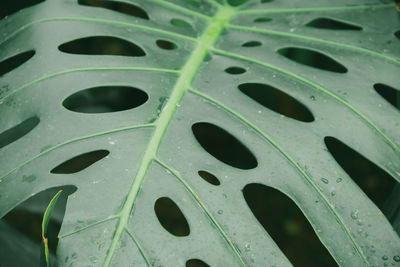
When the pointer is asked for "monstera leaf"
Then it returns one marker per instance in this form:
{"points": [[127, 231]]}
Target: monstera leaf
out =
{"points": [[185, 130]]}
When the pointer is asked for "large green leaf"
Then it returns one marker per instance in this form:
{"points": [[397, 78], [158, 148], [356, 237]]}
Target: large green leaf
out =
{"points": [[181, 73]]}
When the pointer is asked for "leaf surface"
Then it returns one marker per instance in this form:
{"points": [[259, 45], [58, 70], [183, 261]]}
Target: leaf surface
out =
{"points": [[167, 89]]}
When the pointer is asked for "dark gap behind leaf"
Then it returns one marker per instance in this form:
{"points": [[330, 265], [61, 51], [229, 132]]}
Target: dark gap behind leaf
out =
{"points": [[252, 44], [171, 217], [8, 7], [389, 93], [14, 62], [105, 99], [209, 177], [166, 45], [80, 162], [276, 100], [375, 182], [262, 19], [312, 58], [332, 24], [287, 226], [102, 45], [121, 7], [27, 216], [236, 2], [223, 146], [235, 70], [13, 134], [196, 263]]}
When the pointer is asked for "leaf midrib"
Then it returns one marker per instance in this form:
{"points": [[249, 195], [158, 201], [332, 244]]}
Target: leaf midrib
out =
{"points": [[188, 72]]}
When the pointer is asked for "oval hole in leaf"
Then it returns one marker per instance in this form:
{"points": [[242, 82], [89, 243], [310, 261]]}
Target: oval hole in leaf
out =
{"points": [[18, 131], [397, 34], [27, 216], [196, 263], [121, 7], [171, 217], [235, 70], [166, 45], [262, 19], [389, 93], [9, 7], [102, 45], [312, 58], [375, 182], [236, 2], [181, 23], [276, 100], [78, 163], [195, 3], [223, 146], [287, 226], [14, 62], [252, 44], [105, 99], [209, 177], [332, 24]]}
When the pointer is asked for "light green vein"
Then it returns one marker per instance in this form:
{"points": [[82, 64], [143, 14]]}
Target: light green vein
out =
{"points": [[86, 227], [103, 21], [73, 141], [311, 9], [86, 69], [209, 214], [291, 161], [140, 248], [315, 86], [205, 42], [312, 39]]}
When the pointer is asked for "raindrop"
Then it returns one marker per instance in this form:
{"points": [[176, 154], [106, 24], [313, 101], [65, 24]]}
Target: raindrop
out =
{"points": [[223, 146], [220, 212], [325, 181], [396, 258], [338, 180], [354, 215]]}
